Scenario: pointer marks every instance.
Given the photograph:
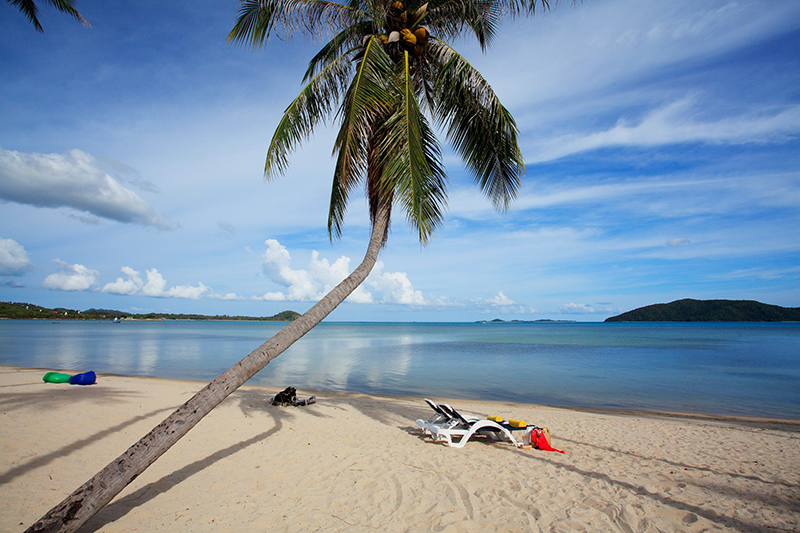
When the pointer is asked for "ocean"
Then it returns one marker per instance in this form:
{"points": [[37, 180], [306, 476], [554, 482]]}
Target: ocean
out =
{"points": [[739, 369]]}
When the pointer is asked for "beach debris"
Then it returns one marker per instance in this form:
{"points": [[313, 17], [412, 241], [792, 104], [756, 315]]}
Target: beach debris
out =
{"points": [[288, 396]]}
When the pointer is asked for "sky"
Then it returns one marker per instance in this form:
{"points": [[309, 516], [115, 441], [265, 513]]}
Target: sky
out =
{"points": [[661, 142]]}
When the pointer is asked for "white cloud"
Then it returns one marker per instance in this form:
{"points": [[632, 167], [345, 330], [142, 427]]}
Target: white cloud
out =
{"points": [[155, 283], [301, 285], [156, 286], [573, 308], [70, 277], [14, 260], [676, 123], [621, 41], [72, 180], [230, 296], [500, 299], [132, 285], [394, 286], [499, 303], [583, 309], [190, 292], [309, 285]]}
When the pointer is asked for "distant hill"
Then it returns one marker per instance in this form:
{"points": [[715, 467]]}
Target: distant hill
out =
{"points": [[22, 311], [689, 310]]}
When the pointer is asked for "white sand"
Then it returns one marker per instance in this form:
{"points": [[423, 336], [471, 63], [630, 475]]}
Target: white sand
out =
{"points": [[354, 462]]}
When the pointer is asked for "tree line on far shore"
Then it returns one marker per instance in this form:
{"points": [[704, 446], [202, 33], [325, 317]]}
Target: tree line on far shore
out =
{"points": [[27, 311]]}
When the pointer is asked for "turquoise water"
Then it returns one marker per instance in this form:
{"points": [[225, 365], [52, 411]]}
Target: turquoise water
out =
{"points": [[747, 369]]}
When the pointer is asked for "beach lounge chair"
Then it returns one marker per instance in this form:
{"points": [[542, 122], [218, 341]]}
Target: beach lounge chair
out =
{"points": [[448, 424], [439, 416]]}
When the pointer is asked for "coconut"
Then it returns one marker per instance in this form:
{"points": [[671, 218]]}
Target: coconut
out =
{"points": [[421, 34], [418, 50], [408, 38]]}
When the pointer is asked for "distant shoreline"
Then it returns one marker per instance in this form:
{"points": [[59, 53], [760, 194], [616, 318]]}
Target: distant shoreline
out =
{"points": [[539, 321], [28, 311]]}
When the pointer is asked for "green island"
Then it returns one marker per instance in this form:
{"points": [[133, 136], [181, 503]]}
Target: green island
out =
{"points": [[27, 311], [688, 310]]}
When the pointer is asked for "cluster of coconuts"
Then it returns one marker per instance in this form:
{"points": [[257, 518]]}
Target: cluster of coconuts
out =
{"points": [[405, 28]]}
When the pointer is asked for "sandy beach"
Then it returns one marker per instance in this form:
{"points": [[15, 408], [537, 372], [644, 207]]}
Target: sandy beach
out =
{"points": [[354, 462]]}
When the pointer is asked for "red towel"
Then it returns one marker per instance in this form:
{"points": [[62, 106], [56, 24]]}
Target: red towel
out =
{"points": [[540, 441]]}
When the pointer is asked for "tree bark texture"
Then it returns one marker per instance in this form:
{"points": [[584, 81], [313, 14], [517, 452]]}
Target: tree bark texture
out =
{"points": [[93, 495]]}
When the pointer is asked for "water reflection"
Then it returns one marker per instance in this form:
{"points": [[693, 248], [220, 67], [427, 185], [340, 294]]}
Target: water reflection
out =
{"points": [[725, 369], [341, 363]]}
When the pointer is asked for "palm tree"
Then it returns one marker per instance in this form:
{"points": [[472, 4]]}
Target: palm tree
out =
{"points": [[387, 64], [29, 9]]}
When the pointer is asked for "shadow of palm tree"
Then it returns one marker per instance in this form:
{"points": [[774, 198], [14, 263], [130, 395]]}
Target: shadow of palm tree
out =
{"points": [[67, 449], [250, 401], [51, 396]]}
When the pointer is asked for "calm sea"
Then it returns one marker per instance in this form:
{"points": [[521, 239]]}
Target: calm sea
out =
{"points": [[748, 369]]}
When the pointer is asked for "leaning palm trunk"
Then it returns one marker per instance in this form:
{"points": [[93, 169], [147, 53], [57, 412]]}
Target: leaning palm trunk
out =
{"points": [[88, 499]]}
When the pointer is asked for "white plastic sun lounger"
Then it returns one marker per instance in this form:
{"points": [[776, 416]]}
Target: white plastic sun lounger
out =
{"points": [[457, 426]]}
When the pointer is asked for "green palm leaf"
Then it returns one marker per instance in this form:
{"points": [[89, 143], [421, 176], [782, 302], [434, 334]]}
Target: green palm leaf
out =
{"points": [[346, 41], [256, 19], [481, 129], [312, 105], [411, 172], [29, 9], [367, 100], [384, 140]]}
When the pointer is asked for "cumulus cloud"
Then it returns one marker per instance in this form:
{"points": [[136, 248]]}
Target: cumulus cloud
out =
{"points": [[311, 284], [131, 285], [155, 286], [72, 180], [14, 260], [395, 287], [70, 277], [501, 299], [498, 300]]}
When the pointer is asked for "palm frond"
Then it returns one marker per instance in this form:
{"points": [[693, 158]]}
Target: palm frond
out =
{"points": [[346, 41], [480, 128], [29, 9], [449, 18], [312, 106], [366, 101], [257, 19], [410, 161]]}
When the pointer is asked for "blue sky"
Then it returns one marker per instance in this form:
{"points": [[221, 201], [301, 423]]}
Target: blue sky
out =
{"points": [[661, 139]]}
